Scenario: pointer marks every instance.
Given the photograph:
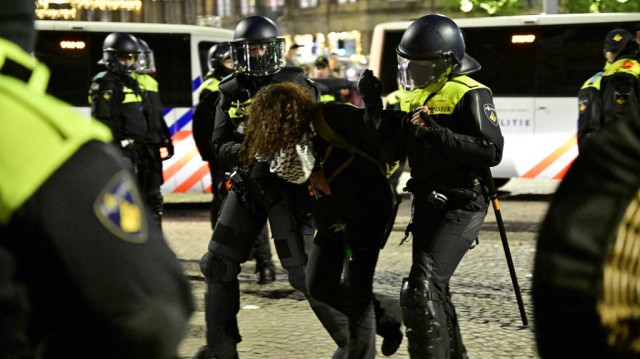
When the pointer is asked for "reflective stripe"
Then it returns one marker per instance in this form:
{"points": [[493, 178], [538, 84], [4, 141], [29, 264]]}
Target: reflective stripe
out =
{"points": [[239, 110], [130, 96]]}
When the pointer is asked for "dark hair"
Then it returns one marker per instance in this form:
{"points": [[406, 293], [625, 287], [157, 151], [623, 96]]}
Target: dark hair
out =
{"points": [[279, 116]]}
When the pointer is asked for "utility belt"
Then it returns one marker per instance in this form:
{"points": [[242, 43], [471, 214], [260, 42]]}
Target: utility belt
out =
{"points": [[439, 195]]}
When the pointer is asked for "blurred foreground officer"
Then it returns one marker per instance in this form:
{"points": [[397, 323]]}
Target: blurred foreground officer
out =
{"points": [[96, 278], [590, 116], [454, 142], [157, 141], [220, 66], [585, 277]]}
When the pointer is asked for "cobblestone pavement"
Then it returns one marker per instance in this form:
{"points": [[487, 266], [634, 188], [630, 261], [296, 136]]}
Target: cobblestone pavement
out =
{"points": [[276, 322]]}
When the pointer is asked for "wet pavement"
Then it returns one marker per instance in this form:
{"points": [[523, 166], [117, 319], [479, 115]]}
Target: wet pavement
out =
{"points": [[276, 322]]}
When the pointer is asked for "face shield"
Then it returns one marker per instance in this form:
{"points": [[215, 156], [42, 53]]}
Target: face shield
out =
{"points": [[415, 74], [122, 63], [258, 58], [146, 63]]}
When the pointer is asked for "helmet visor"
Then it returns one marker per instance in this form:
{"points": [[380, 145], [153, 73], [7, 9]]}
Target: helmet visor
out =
{"points": [[422, 73], [258, 58], [146, 63]]}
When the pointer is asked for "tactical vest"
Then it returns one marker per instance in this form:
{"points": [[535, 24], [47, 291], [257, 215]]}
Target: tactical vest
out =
{"points": [[442, 101], [40, 132]]}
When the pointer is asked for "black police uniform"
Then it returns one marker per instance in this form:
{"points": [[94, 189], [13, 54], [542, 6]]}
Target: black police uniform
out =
{"points": [[116, 100], [352, 221], [591, 223], [99, 278], [589, 107], [203, 123], [156, 138], [448, 207]]}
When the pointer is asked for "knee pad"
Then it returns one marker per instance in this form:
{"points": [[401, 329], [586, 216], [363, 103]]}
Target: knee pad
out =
{"points": [[286, 235], [422, 304], [217, 268]]}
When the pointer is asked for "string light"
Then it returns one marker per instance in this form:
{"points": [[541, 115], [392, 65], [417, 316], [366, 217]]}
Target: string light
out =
{"points": [[67, 9]]}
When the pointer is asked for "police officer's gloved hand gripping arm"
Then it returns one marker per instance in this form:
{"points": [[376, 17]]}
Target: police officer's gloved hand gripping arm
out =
{"points": [[479, 151]]}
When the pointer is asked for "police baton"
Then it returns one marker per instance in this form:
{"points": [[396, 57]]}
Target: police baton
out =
{"points": [[493, 196]]}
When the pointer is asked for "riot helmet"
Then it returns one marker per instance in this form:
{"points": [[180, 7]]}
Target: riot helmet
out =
{"points": [[219, 60], [431, 48], [120, 46], [257, 48], [146, 63]]}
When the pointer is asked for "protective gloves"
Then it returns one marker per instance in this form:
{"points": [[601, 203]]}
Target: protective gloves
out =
{"points": [[370, 87]]}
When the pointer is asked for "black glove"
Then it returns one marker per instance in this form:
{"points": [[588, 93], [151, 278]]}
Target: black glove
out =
{"points": [[370, 87], [166, 149], [431, 131]]}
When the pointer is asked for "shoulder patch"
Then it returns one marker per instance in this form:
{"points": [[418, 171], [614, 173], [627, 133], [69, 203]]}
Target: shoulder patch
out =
{"points": [[490, 112], [120, 209], [582, 104], [627, 64]]}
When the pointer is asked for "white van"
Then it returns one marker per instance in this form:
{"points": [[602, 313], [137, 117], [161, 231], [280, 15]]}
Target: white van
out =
{"points": [[71, 50], [535, 65]]}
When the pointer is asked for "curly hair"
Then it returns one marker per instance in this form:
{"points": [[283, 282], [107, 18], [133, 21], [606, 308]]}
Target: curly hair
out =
{"points": [[279, 116]]}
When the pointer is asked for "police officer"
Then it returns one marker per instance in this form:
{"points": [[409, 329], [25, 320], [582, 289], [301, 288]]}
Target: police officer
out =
{"points": [[330, 144], [589, 102], [157, 142], [455, 137], [220, 66], [620, 85], [96, 278], [116, 100], [257, 52]]}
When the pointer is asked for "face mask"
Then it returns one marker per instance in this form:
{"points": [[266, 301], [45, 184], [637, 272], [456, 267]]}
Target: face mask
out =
{"points": [[295, 162]]}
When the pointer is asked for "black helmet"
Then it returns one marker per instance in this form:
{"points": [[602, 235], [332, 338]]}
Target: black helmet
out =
{"points": [[257, 48], [146, 63], [119, 45], [431, 45], [216, 57]]}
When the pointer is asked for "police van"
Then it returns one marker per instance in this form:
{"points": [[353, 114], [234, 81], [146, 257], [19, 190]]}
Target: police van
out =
{"points": [[71, 50], [534, 65]]}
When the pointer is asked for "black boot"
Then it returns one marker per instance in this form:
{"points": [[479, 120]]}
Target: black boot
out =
{"points": [[222, 303], [388, 322], [266, 272]]}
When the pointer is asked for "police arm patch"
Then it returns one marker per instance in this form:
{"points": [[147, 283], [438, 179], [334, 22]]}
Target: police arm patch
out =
{"points": [[120, 209], [490, 112]]}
